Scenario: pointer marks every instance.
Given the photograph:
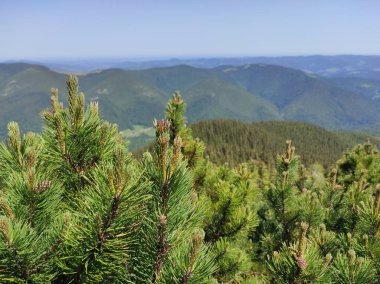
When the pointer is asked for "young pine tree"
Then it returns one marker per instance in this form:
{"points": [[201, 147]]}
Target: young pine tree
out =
{"points": [[280, 213], [226, 194], [173, 237], [76, 208]]}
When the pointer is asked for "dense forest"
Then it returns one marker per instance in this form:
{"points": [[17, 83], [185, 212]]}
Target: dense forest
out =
{"points": [[236, 142], [77, 207]]}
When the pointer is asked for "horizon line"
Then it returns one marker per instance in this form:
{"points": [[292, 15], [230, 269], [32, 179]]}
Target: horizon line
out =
{"points": [[173, 57]]}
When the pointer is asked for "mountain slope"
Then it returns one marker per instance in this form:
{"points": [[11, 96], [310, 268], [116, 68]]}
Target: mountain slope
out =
{"points": [[124, 97], [304, 97], [362, 86], [214, 98], [24, 92], [247, 93]]}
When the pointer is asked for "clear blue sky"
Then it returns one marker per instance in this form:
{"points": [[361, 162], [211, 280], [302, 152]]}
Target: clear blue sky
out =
{"points": [[33, 29]]}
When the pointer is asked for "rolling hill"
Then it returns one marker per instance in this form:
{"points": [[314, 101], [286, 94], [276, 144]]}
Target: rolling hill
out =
{"points": [[301, 96], [252, 92]]}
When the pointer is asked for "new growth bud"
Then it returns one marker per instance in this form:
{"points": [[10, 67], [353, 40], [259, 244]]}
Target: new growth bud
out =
{"points": [[5, 206], [94, 108], [351, 257], [303, 239], [326, 262], [322, 228], [176, 152]]}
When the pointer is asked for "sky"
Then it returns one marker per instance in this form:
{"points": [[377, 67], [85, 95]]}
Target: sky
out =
{"points": [[33, 29]]}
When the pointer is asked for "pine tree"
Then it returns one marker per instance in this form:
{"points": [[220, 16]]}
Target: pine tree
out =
{"points": [[281, 212], [76, 208], [76, 139], [174, 237], [192, 149], [227, 195]]}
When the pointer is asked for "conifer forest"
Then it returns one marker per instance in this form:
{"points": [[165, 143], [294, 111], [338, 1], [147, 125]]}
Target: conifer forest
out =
{"points": [[76, 206]]}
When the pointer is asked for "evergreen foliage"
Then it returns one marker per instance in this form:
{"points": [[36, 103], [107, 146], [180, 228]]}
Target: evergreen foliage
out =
{"points": [[77, 207]]}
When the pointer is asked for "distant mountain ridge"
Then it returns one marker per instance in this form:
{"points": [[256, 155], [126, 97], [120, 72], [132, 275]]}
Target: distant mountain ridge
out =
{"points": [[367, 66], [250, 92], [363, 66]]}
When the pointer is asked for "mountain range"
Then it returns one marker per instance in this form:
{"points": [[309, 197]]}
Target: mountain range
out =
{"points": [[364, 66], [250, 92]]}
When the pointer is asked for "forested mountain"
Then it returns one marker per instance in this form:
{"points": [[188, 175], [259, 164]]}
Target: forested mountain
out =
{"points": [[247, 93], [235, 142]]}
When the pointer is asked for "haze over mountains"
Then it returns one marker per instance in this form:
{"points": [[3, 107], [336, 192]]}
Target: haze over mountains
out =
{"points": [[367, 66], [339, 92]]}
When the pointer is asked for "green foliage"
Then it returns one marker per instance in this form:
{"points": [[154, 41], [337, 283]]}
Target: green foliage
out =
{"points": [[280, 213], [173, 236], [299, 263], [351, 269], [76, 207], [229, 197], [362, 161], [192, 148]]}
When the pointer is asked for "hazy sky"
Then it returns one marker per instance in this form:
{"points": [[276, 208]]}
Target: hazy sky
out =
{"points": [[34, 29]]}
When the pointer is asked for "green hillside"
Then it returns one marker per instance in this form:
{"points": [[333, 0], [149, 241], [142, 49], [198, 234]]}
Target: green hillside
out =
{"points": [[24, 92], [246, 93], [363, 86], [305, 97], [235, 142]]}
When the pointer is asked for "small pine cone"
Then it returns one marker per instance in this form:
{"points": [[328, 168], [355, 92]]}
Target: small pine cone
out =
{"points": [[162, 126], [163, 220], [42, 186], [45, 184], [301, 263]]}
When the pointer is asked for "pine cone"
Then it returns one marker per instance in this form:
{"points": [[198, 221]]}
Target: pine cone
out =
{"points": [[42, 186], [301, 263], [162, 126]]}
